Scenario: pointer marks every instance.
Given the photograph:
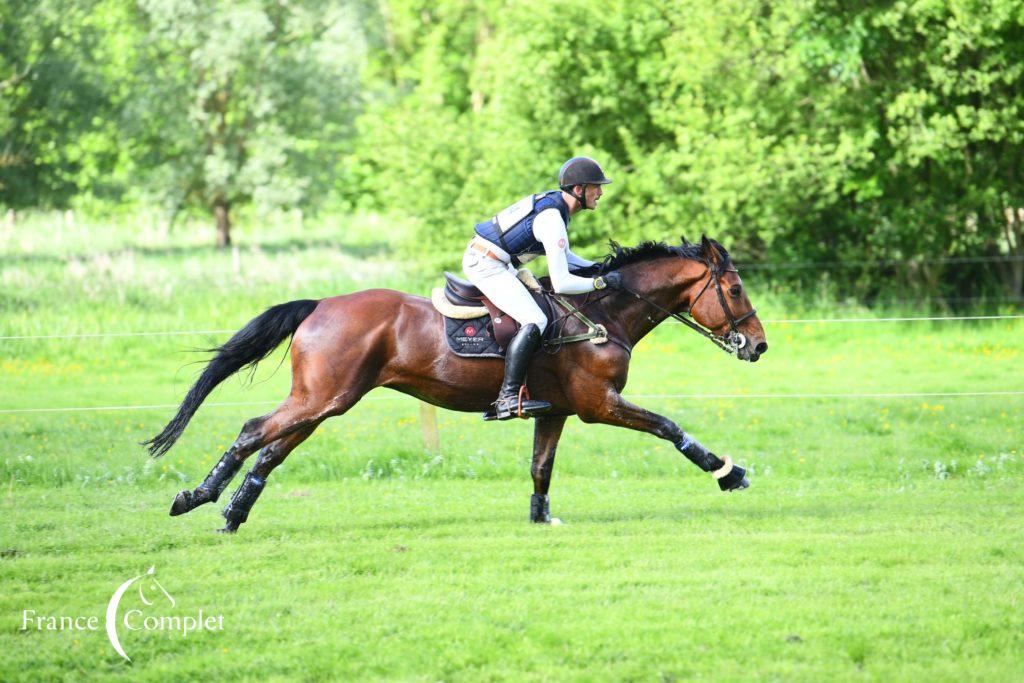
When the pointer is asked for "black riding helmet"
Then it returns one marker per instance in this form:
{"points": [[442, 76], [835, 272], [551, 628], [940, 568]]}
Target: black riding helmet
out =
{"points": [[580, 171]]}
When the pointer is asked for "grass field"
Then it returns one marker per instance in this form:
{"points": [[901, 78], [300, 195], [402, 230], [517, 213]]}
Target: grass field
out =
{"points": [[881, 537]]}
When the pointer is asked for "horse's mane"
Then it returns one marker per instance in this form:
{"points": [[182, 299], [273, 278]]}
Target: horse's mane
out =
{"points": [[645, 251]]}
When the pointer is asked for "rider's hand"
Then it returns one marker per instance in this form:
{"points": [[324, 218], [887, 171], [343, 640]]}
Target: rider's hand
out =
{"points": [[610, 280]]}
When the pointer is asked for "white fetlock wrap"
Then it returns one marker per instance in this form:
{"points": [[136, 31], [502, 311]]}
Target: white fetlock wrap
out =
{"points": [[724, 469]]}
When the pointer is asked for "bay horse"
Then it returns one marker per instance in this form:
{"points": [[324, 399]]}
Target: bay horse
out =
{"points": [[344, 346]]}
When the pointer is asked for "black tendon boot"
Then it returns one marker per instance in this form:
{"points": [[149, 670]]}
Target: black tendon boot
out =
{"points": [[540, 509], [517, 358], [237, 511], [730, 477], [211, 488]]}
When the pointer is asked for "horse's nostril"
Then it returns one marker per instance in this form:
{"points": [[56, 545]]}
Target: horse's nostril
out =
{"points": [[761, 348]]}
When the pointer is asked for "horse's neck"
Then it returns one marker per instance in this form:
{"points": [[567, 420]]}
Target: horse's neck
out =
{"points": [[666, 289]]}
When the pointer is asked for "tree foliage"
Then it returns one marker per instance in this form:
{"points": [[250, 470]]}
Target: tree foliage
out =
{"points": [[793, 131], [59, 69], [244, 101]]}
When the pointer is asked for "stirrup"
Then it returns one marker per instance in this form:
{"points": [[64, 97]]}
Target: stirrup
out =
{"points": [[516, 405]]}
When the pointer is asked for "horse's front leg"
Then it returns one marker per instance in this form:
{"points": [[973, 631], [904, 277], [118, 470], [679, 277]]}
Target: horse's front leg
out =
{"points": [[615, 410], [546, 432]]}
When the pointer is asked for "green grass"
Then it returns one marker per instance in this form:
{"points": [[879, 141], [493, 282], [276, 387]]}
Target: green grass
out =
{"points": [[798, 579], [881, 537]]}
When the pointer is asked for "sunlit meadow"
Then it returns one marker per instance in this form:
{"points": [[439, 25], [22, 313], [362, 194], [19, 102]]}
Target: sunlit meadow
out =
{"points": [[881, 536]]}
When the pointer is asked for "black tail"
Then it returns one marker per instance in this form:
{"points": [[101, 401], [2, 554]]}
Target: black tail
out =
{"points": [[249, 346]]}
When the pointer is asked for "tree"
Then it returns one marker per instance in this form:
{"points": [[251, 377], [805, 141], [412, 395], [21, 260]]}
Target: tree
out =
{"points": [[244, 101], [58, 100], [817, 130], [951, 85]]}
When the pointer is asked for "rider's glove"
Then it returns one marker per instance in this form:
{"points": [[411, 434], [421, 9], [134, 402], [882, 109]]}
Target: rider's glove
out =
{"points": [[610, 280]]}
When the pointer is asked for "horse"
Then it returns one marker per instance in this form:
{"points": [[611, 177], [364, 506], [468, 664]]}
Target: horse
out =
{"points": [[344, 346]]}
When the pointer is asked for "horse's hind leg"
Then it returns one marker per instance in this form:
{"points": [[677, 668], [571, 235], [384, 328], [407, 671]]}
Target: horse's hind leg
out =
{"points": [[272, 455], [280, 432], [294, 415], [211, 488], [227, 467], [324, 383]]}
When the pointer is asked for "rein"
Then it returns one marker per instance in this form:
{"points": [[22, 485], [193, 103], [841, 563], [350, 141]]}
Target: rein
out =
{"points": [[596, 331], [730, 343]]}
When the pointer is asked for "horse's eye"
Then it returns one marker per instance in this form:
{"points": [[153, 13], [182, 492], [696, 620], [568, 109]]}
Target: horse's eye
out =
{"points": [[734, 291]]}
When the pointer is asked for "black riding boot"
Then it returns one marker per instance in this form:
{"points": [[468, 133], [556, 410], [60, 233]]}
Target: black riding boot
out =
{"points": [[517, 358]]}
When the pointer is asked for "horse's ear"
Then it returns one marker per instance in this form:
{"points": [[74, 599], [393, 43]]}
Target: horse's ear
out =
{"points": [[706, 246]]}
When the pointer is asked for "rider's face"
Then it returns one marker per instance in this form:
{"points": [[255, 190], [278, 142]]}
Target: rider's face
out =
{"points": [[592, 193]]}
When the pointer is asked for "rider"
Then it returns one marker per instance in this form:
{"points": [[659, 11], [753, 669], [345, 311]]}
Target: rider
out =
{"points": [[532, 226]]}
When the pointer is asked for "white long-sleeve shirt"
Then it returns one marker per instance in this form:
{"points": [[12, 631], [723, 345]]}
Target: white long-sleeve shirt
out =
{"points": [[549, 229]]}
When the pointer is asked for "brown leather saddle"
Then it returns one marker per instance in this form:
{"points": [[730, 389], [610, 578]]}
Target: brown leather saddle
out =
{"points": [[464, 293]]}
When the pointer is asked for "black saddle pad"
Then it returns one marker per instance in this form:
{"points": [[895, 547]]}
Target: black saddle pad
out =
{"points": [[475, 338], [472, 338]]}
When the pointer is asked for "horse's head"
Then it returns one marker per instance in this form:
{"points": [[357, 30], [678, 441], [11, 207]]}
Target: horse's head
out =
{"points": [[698, 279], [719, 302]]}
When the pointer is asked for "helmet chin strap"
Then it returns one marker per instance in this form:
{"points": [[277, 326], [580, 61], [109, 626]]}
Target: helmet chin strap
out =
{"points": [[582, 197]]}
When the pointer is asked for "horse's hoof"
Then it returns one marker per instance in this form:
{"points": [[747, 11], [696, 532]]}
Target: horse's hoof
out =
{"points": [[182, 503], [735, 480], [229, 528], [555, 521], [740, 486]]}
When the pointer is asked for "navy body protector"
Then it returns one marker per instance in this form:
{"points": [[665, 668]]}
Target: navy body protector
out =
{"points": [[512, 228]]}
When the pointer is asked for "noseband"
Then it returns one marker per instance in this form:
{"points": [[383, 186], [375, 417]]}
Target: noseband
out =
{"points": [[734, 340]]}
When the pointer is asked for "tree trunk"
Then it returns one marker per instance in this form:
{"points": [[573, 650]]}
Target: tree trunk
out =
{"points": [[1011, 271], [221, 207], [1016, 244]]}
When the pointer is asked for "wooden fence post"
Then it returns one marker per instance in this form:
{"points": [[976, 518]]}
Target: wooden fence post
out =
{"points": [[428, 425]]}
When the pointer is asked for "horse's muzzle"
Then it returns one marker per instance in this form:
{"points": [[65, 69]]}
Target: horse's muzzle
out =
{"points": [[751, 351]]}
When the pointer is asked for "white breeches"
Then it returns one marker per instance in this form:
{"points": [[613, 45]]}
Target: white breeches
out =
{"points": [[499, 282]]}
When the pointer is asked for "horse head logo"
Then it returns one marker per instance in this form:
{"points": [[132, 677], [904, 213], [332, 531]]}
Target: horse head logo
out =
{"points": [[148, 584], [153, 585]]}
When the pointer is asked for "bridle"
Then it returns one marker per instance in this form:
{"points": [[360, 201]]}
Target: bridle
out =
{"points": [[732, 341]]}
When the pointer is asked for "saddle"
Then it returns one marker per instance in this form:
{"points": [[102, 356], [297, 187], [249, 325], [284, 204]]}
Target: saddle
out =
{"points": [[461, 300], [475, 328]]}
